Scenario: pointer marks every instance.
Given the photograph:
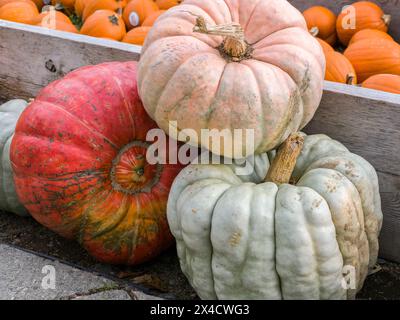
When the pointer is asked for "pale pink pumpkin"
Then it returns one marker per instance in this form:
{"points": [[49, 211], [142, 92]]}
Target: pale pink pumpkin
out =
{"points": [[272, 84]]}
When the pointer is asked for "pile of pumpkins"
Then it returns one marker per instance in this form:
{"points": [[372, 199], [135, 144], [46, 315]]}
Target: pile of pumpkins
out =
{"points": [[305, 213], [367, 55], [122, 20]]}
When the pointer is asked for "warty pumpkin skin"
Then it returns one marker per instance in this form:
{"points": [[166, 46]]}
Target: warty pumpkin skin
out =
{"points": [[339, 69], [368, 15], [369, 34], [273, 87], [322, 23], [241, 238], [383, 82], [9, 114], [79, 161], [374, 56]]}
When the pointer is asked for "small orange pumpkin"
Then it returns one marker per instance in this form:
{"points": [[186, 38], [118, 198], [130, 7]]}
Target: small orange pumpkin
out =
{"points": [[47, 15], [322, 23], [4, 2], [339, 69], [151, 19], [136, 12], [137, 35], [19, 11], [374, 56], [383, 82], [94, 5], [80, 6], [104, 24], [326, 47], [359, 16], [60, 26], [166, 4], [369, 34]]}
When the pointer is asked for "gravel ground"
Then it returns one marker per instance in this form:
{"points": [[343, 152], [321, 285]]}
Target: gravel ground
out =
{"points": [[162, 277]]}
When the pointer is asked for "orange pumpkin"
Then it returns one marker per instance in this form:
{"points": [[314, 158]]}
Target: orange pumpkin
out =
{"points": [[19, 11], [4, 2], [136, 12], [48, 15], [94, 5], [151, 19], [104, 24], [359, 16], [137, 35], [60, 26], [322, 23], [166, 4], [383, 82], [67, 4], [339, 69], [326, 47], [80, 6], [369, 34], [374, 56]]}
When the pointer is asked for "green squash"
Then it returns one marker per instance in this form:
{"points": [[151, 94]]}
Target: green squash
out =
{"points": [[9, 114]]}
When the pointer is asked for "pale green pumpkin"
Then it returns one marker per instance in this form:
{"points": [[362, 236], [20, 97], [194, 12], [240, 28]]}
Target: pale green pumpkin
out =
{"points": [[239, 237], [9, 114]]}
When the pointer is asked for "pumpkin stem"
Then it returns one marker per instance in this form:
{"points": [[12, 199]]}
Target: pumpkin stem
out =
{"points": [[387, 18], [350, 79], [314, 31], [282, 166], [234, 44]]}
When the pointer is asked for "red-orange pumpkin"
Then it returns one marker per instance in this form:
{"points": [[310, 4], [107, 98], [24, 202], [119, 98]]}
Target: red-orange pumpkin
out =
{"points": [[322, 23], [80, 6], [383, 82], [19, 11], [136, 11], [339, 69], [104, 24], [79, 160], [369, 34], [3, 2], [374, 56], [326, 47], [358, 16]]}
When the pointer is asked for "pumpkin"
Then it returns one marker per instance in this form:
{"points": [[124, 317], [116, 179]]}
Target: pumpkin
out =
{"points": [[20, 11], [167, 4], [104, 24], [322, 23], [79, 7], [266, 79], [59, 25], [136, 11], [240, 237], [151, 19], [339, 69], [3, 2], [326, 47], [369, 34], [65, 4], [383, 82], [374, 56], [9, 114], [136, 35], [94, 5], [364, 15], [49, 16], [79, 161]]}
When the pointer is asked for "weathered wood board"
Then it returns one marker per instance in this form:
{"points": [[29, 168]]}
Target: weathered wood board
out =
{"points": [[366, 121], [391, 7]]}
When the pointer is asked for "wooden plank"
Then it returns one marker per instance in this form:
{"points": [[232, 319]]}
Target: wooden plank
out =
{"points": [[368, 123], [391, 7], [31, 57]]}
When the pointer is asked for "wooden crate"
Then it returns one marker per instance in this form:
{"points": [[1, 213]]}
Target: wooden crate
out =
{"points": [[366, 121]]}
